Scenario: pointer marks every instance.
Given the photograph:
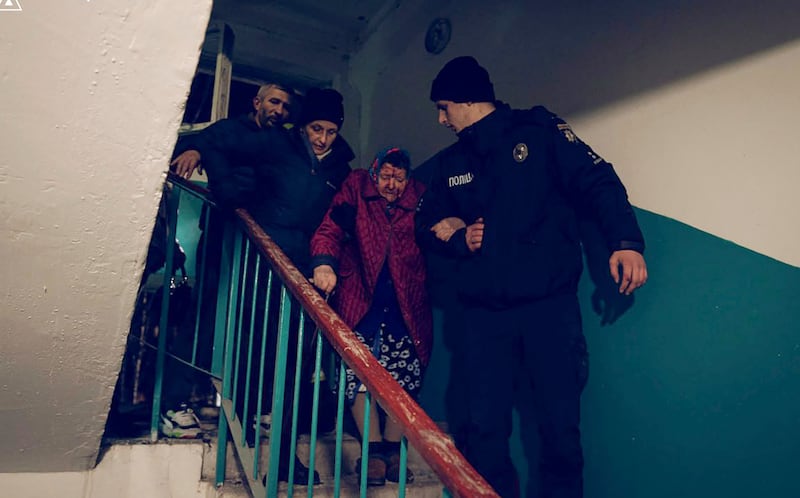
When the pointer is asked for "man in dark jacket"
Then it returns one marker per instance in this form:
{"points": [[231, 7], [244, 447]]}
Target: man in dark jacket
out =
{"points": [[501, 206], [295, 174], [271, 107]]}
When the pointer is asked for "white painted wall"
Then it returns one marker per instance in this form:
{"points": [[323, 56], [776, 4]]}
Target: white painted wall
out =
{"points": [[718, 151], [695, 105], [91, 95], [125, 471]]}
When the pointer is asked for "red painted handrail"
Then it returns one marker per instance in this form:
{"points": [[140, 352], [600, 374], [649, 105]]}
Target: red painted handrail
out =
{"points": [[458, 476], [435, 447]]}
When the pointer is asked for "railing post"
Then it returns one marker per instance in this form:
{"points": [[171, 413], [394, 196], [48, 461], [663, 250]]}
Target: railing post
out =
{"points": [[458, 477], [248, 378], [223, 310], [172, 200], [223, 334], [201, 283], [365, 442], [337, 472], [295, 399], [312, 460], [236, 353], [403, 467], [278, 394], [262, 355]]}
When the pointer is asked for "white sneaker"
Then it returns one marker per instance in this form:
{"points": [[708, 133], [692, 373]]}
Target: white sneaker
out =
{"points": [[181, 424], [264, 426]]}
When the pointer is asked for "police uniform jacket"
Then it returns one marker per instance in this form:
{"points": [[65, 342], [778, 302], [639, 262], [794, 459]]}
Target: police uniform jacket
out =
{"points": [[289, 188], [527, 175]]}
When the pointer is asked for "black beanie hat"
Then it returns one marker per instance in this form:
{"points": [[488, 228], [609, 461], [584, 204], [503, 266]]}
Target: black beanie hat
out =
{"points": [[462, 80], [322, 103]]}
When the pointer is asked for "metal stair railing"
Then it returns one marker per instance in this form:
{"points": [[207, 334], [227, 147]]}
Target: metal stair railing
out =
{"points": [[265, 310]]}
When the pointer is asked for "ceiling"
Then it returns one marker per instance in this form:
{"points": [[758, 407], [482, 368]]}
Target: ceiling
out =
{"points": [[302, 43]]}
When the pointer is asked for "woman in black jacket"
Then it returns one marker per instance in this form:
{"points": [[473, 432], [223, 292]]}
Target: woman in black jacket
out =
{"points": [[286, 179]]}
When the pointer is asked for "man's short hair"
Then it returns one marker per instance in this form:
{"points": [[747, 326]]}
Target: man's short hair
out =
{"points": [[263, 89]]}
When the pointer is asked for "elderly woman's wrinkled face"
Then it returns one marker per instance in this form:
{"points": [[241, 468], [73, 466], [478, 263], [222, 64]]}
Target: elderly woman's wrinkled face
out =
{"points": [[392, 181]]}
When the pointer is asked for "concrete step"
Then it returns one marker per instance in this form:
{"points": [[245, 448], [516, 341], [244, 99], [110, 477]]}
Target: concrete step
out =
{"points": [[420, 488], [351, 452], [324, 457], [426, 483], [231, 489], [424, 486], [193, 461]]}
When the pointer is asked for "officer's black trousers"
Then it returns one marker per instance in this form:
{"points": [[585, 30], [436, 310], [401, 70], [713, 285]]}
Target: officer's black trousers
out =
{"points": [[546, 340]]}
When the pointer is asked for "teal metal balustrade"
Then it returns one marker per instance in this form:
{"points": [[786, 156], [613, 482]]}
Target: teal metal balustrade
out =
{"points": [[269, 324]]}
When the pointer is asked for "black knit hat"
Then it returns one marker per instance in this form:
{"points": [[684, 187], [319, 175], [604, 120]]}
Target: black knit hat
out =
{"points": [[322, 103], [463, 80]]}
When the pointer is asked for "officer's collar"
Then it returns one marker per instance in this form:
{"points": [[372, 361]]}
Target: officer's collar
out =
{"points": [[483, 134]]}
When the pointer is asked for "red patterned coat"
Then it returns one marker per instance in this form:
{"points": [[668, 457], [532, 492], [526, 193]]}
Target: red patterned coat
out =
{"points": [[358, 243]]}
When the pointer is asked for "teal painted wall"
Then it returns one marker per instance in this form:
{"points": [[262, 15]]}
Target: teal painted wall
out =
{"points": [[695, 390]]}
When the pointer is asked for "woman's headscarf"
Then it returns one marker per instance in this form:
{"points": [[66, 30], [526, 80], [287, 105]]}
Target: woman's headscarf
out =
{"points": [[380, 158]]}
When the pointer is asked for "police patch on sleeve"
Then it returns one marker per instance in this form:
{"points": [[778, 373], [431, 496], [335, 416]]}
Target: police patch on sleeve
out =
{"points": [[595, 158], [572, 138], [565, 130], [520, 152]]}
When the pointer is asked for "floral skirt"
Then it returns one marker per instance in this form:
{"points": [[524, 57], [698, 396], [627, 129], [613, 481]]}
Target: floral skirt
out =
{"points": [[397, 356]]}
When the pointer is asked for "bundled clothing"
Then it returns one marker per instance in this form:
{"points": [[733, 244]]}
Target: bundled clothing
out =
{"points": [[219, 131], [278, 179], [380, 290], [222, 132], [527, 175]]}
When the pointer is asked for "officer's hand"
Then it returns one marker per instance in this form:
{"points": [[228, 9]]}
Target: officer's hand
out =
{"points": [[609, 304], [324, 278], [474, 235], [445, 228], [634, 270], [186, 163]]}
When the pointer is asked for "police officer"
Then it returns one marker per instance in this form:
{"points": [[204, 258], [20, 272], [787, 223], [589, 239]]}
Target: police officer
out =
{"points": [[502, 206]]}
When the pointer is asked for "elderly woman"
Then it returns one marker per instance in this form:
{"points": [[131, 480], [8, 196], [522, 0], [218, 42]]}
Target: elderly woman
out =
{"points": [[365, 249]]}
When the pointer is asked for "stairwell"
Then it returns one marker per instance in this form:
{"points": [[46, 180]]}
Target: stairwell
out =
{"points": [[186, 468]]}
